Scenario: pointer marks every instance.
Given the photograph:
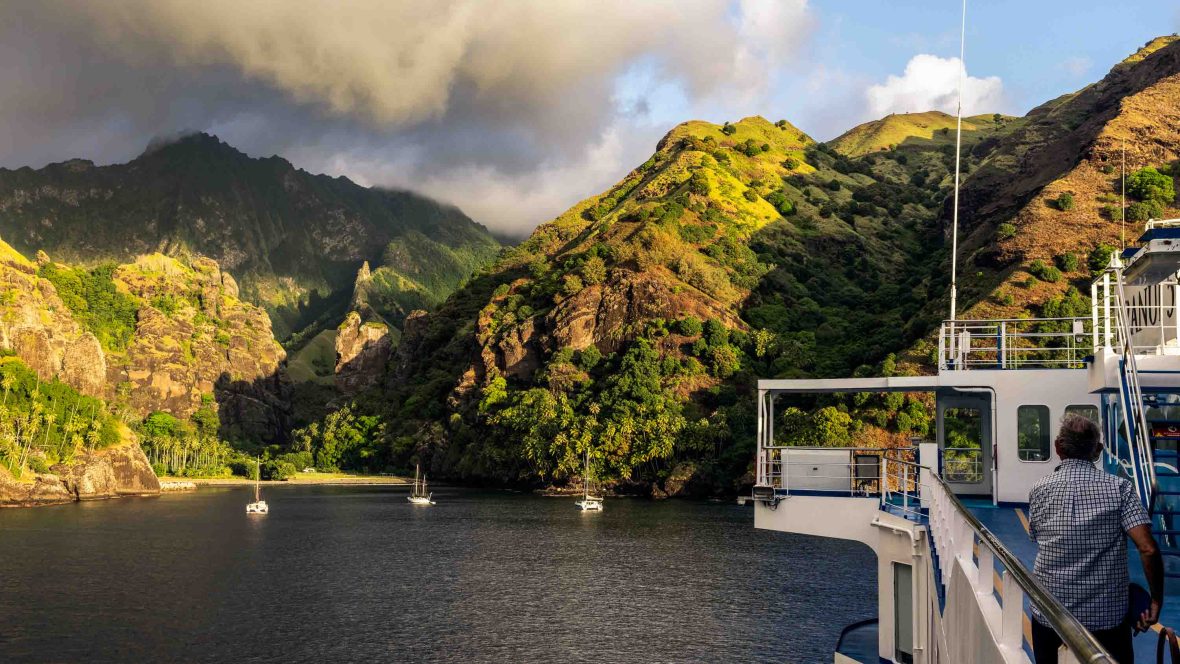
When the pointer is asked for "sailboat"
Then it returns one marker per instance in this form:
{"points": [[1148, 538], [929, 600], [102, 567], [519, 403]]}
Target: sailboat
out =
{"points": [[588, 503], [420, 496], [259, 505]]}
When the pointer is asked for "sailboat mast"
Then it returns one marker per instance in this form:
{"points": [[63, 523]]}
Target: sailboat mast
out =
{"points": [[586, 477]]}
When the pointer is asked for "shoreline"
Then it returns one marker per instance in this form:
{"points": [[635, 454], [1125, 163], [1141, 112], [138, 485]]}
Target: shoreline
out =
{"points": [[358, 480]]}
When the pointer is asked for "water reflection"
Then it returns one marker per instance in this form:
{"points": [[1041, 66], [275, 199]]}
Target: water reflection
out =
{"points": [[358, 573]]}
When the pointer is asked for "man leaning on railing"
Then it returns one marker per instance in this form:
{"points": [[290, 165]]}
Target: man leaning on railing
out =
{"points": [[1080, 518]]}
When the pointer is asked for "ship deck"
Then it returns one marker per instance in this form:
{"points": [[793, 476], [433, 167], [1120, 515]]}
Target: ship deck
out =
{"points": [[1009, 523]]}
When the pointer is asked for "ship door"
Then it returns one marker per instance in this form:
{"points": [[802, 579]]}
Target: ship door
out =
{"points": [[965, 442]]}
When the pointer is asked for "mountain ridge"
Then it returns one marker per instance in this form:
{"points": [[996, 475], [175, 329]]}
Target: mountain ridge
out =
{"points": [[294, 239], [633, 324]]}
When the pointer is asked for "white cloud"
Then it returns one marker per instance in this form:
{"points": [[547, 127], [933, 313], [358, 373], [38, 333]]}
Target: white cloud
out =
{"points": [[1076, 66], [505, 202], [931, 83]]}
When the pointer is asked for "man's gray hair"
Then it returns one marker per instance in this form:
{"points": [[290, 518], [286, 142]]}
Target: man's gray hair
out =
{"points": [[1079, 438]]}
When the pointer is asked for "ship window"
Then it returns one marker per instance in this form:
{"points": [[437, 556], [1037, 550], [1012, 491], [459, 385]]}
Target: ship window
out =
{"points": [[1032, 433], [962, 454], [1086, 411]]}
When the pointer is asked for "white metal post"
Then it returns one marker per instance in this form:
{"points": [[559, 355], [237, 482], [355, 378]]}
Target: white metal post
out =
{"points": [[1094, 316], [760, 480], [987, 571], [1012, 614], [1106, 307]]}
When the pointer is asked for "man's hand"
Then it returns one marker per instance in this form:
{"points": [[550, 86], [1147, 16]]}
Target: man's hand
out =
{"points": [[1148, 618], [1153, 569]]}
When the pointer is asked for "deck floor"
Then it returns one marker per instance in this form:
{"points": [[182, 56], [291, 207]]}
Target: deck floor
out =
{"points": [[1007, 523]]}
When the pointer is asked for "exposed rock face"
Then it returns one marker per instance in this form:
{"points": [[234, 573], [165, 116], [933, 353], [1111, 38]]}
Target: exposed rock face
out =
{"points": [[37, 326], [195, 339], [43, 490], [133, 474], [122, 470], [362, 352], [604, 315], [601, 315]]}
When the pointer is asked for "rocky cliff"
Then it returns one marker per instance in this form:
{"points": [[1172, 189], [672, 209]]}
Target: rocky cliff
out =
{"points": [[362, 352], [121, 470], [37, 326], [195, 340]]}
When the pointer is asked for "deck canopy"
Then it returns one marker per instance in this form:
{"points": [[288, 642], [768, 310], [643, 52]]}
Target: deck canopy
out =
{"points": [[833, 385]]}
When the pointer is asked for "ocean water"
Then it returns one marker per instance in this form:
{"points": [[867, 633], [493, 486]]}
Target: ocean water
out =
{"points": [[359, 574]]}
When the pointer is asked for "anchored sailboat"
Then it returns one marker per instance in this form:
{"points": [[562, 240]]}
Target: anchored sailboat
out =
{"points": [[588, 503], [420, 496], [259, 505]]}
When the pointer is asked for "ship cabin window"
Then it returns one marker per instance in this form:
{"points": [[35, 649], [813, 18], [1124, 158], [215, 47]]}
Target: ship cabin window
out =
{"points": [[1087, 411], [962, 453], [1033, 433]]}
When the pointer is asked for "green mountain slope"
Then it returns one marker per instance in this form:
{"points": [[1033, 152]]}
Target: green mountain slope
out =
{"points": [[634, 323], [931, 129], [294, 240]]}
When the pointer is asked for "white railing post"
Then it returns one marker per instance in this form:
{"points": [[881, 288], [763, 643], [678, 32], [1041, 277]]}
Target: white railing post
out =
{"points": [[1106, 308], [905, 487], [1094, 316], [942, 346], [1003, 346], [1012, 614], [986, 572], [761, 435]]}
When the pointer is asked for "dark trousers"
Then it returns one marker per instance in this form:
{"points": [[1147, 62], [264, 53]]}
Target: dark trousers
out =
{"points": [[1117, 642]]}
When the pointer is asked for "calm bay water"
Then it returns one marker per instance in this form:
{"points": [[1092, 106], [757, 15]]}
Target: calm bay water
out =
{"points": [[359, 574]]}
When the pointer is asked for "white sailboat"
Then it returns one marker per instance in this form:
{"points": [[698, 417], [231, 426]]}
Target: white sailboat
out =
{"points": [[420, 496], [259, 505], [588, 503]]}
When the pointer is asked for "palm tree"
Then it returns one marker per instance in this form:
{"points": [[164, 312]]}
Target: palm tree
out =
{"points": [[7, 382]]}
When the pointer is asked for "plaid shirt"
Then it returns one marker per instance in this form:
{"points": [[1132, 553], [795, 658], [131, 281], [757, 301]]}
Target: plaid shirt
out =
{"points": [[1079, 516]]}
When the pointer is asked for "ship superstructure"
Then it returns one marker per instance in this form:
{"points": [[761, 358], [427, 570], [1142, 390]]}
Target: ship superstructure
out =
{"points": [[947, 518]]}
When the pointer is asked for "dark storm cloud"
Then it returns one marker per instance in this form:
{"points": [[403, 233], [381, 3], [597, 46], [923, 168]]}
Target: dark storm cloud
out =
{"points": [[507, 109]]}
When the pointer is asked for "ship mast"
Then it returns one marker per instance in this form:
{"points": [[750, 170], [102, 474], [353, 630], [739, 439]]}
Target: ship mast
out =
{"points": [[958, 155]]}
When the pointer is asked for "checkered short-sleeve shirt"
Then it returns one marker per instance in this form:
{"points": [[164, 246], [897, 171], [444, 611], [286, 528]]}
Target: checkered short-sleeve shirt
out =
{"points": [[1079, 517]]}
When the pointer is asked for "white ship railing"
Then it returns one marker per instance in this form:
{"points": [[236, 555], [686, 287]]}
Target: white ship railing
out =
{"points": [[958, 535], [891, 475], [903, 486], [1152, 323], [1055, 343], [1015, 343]]}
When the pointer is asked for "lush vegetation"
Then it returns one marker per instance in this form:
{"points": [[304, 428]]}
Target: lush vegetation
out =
{"points": [[46, 423], [187, 448], [91, 295], [825, 259]]}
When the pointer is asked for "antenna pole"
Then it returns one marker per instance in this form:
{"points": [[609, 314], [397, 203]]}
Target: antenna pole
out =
{"points": [[958, 155]]}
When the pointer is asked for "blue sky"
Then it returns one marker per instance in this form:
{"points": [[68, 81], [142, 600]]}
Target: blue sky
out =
{"points": [[516, 110], [1039, 49]]}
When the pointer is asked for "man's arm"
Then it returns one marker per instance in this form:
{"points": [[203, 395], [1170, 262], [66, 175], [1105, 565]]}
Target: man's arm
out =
{"points": [[1153, 569]]}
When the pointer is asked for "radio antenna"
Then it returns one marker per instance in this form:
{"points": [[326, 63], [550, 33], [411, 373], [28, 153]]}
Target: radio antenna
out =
{"points": [[958, 155]]}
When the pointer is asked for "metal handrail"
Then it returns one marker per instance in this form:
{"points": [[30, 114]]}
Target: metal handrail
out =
{"points": [[1076, 637]]}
